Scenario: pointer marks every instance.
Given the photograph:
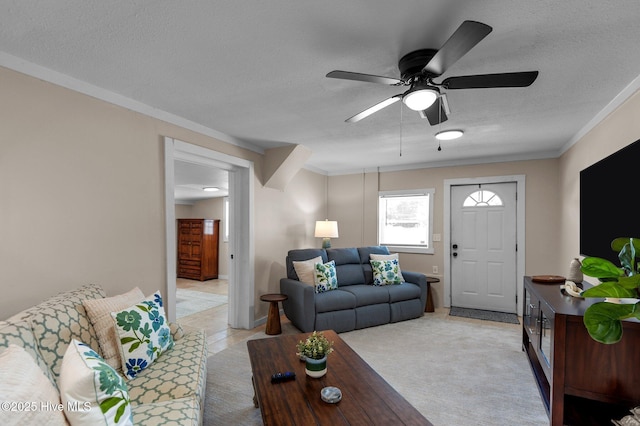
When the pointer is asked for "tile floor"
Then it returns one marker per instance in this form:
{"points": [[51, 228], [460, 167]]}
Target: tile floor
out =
{"points": [[215, 320]]}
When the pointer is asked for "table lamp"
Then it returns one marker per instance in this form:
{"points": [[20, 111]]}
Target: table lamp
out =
{"points": [[326, 229]]}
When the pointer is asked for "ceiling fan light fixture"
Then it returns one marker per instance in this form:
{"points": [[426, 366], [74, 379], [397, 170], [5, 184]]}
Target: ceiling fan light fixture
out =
{"points": [[420, 98], [447, 135]]}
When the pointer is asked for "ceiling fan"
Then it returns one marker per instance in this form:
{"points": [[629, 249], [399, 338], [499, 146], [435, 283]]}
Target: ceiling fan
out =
{"points": [[420, 67]]}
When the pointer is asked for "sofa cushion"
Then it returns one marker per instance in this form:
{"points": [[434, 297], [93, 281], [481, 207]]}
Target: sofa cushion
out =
{"points": [[372, 315], [344, 256], [19, 333], [306, 269], [365, 257], [335, 300], [178, 373], [348, 267], [99, 311], [338, 321], [177, 332], [385, 272], [368, 294], [22, 382], [302, 254], [406, 309], [176, 412], [58, 320], [325, 277], [143, 334], [393, 256], [366, 252], [85, 378], [404, 291]]}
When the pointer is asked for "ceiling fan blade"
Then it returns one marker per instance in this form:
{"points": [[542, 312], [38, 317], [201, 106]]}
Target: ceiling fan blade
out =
{"points": [[377, 107], [486, 81], [347, 75], [468, 34], [436, 113]]}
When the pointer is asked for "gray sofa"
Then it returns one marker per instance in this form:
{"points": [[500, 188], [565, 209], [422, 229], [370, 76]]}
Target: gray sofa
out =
{"points": [[357, 303]]}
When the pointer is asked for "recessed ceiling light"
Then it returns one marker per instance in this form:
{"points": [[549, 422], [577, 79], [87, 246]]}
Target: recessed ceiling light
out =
{"points": [[448, 135], [210, 189]]}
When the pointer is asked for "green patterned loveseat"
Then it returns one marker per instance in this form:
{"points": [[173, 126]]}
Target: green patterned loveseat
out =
{"points": [[170, 391]]}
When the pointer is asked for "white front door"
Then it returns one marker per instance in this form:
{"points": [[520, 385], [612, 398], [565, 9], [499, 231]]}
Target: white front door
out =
{"points": [[483, 246]]}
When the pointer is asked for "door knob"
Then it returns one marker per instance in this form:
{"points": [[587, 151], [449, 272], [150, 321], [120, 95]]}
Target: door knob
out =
{"points": [[455, 254]]}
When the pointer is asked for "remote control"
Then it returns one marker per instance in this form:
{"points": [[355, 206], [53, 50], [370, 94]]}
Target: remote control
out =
{"points": [[283, 377]]}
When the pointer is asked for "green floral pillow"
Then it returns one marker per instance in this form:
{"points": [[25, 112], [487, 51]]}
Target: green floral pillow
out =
{"points": [[92, 391], [143, 334], [386, 272], [325, 277]]}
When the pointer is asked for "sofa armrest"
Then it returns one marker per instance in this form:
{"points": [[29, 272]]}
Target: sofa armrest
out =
{"points": [[420, 280], [177, 332], [300, 305]]}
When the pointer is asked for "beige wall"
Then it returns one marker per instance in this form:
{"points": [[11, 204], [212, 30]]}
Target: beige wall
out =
{"points": [[353, 203], [82, 197], [286, 221], [552, 197], [82, 190], [616, 131]]}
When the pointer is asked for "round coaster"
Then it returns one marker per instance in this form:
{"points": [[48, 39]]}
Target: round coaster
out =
{"points": [[331, 394]]}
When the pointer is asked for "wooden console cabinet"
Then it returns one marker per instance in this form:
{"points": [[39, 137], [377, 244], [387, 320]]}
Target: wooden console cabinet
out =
{"points": [[198, 248], [581, 382]]}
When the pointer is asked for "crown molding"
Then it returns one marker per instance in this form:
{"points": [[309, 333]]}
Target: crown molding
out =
{"points": [[59, 79]]}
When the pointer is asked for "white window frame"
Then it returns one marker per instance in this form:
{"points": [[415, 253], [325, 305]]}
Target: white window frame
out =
{"points": [[426, 249]]}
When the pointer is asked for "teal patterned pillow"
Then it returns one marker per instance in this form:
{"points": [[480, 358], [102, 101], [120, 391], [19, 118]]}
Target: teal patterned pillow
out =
{"points": [[92, 391], [325, 277], [143, 334], [386, 272]]}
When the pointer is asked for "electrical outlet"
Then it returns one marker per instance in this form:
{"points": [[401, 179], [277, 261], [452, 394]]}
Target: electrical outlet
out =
{"points": [[437, 237], [435, 269]]}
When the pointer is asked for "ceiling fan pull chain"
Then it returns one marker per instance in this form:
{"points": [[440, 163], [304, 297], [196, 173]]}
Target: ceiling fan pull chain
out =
{"points": [[439, 121], [401, 129]]}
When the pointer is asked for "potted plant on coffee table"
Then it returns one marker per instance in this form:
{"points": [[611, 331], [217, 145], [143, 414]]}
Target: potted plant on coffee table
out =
{"points": [[314, 351]]}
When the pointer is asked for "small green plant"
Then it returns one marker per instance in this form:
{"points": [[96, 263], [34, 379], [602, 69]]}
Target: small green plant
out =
{"points": [[603, 319], [316, 346]]}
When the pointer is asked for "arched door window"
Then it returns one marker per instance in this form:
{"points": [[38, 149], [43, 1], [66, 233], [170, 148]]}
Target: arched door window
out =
{"points": [[483, 198]]}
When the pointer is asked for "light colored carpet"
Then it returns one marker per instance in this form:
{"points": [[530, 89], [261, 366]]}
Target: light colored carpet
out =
{"points": [[189, 302], [454, 371]]}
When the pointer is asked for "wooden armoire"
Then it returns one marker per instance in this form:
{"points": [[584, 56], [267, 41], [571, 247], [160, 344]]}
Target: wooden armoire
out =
{"points": [[198, 248]]}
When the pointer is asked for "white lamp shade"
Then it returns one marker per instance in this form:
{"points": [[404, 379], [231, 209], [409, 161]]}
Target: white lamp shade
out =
{"points": [[419, 99], [326, 229]]}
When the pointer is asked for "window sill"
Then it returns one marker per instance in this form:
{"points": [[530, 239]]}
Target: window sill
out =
{"points": [[405, 249]]}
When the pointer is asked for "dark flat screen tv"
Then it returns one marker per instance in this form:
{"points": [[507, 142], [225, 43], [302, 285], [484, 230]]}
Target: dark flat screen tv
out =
{"points": [[608, 199]]}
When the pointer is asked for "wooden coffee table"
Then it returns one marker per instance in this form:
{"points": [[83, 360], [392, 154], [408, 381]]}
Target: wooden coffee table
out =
{"points": [[367, 399]]}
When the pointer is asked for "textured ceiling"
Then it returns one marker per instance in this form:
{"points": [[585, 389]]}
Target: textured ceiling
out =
{"points": [[191, 179], [255, 70]]}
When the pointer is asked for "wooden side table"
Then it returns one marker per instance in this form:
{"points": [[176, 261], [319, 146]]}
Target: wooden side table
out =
{"points": [[430, 306], [273, 318]]}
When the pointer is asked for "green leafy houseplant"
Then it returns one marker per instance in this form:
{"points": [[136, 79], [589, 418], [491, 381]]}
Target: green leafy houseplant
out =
{"points": [[316, 346], [603, 319]]}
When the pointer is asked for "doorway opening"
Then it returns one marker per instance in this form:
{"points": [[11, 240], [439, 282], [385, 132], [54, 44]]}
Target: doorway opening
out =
{"points": [[448, 252], [241, 253]]}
